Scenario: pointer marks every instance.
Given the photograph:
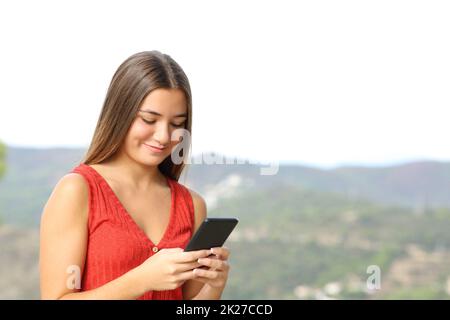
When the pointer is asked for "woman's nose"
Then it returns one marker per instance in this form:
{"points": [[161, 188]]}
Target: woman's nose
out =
{"points": [[162, 134]]}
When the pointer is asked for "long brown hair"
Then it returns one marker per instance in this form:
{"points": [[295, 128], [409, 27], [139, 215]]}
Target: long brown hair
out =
{"points": [[135, 78]]}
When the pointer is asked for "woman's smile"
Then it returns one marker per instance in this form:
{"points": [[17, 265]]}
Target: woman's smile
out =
{"points": [[154, 148]]}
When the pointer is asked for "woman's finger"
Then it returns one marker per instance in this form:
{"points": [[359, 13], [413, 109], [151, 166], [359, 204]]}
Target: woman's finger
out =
{"points": [[222, 253], [215, 264], [210, 274], [187, 266], [187, 275], [190, 256]]}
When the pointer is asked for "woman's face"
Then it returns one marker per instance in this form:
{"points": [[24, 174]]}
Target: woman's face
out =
{"points": [[148, 140]]}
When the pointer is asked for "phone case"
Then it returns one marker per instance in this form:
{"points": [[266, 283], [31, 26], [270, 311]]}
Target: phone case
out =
{"points": [[213, 232]]}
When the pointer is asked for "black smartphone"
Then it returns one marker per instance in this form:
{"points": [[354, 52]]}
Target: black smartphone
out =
{"points": [[213, 232]]}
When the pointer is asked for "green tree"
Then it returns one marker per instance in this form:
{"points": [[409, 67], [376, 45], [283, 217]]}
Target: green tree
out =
{"points": [[2, 163], [2, 158]]}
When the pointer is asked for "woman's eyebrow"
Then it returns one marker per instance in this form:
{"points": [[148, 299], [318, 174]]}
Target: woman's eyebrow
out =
{"points": [[181, 115]]}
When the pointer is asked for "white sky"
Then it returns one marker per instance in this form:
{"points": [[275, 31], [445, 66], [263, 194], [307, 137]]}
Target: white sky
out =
{"points": [[319, 82]]}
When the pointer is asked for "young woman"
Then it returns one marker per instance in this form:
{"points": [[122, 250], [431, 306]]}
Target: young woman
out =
{"points": [[116, 225]]}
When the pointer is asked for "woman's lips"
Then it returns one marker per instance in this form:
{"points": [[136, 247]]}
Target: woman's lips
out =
{"points": [[154, 149]]}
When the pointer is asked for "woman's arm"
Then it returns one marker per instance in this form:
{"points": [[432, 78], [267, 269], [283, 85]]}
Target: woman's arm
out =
{"points": [[192, 287], [63, 241], [209, 283]]}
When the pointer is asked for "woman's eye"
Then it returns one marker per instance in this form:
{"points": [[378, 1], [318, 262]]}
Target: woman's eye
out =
{"points": [[154, 121], [148, 121]]}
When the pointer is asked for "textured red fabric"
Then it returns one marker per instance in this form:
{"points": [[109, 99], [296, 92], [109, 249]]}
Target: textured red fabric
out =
{"points": [[116, 244]]}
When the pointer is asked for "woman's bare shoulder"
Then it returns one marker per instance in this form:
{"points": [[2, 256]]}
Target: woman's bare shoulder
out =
{"points": [[69, 197], [74, 184], [196, 197]]}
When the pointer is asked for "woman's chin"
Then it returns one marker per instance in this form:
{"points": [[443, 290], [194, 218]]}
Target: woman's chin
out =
{"points": [[151, 159]]}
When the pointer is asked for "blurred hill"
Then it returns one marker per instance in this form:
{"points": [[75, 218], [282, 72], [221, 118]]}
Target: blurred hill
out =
{"points": [[304, 233], [19, 267], [33, 173]]}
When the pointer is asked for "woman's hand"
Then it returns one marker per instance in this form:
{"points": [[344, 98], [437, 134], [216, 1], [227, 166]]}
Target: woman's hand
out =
{"points": [[215, 268], [170, 268]]}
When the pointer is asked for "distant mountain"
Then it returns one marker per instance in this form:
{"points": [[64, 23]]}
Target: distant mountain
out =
{"points": [[32, 174], [419, 185]]}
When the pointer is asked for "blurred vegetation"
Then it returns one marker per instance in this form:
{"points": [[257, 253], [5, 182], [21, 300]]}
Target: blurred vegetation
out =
{"points": [[2, 167], [30, 178], [2, 159], [291, 237]]}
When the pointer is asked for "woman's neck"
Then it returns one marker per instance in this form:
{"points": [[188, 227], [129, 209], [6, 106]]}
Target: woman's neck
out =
{"points": [[135, 175]]}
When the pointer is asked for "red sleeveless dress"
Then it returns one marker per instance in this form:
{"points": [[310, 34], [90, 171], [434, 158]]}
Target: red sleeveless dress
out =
{"points": [[116, 244]]}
